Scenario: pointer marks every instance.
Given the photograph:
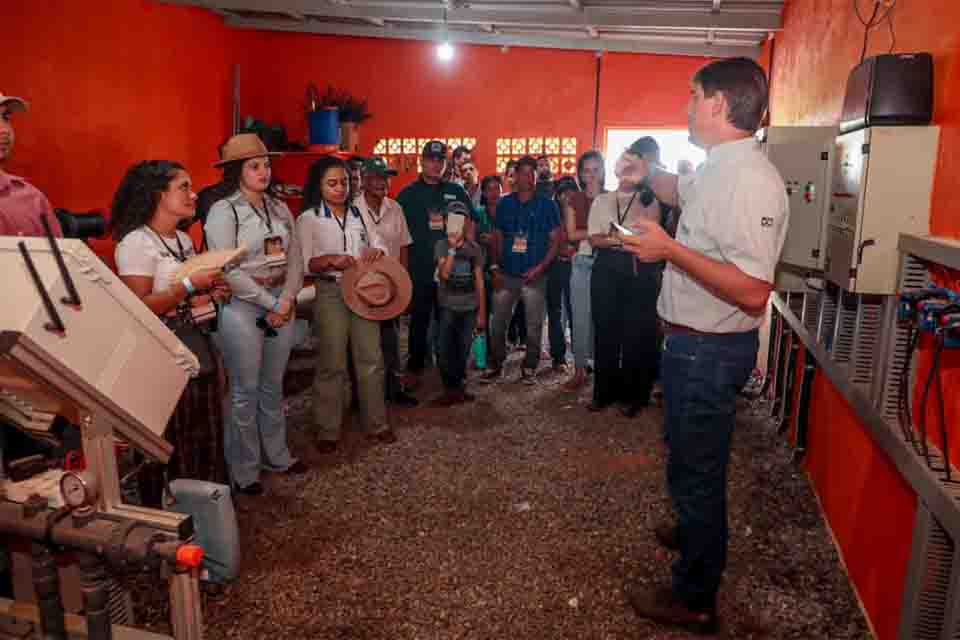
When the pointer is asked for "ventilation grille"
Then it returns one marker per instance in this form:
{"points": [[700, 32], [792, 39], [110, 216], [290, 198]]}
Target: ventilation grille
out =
{"points": [[934, 585], [120, 604], [795, 301], [866, 342], [828, 318], [846, 327], [913, 274], [811, 305]]}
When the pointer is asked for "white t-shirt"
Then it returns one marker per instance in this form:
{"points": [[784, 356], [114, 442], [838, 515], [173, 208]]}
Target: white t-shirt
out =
{"points": [[143, 252], [389, 223], [736, 210]]}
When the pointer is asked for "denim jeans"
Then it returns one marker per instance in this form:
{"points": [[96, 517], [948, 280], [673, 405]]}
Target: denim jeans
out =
{"points": [[701, 377], [455, 333], [582, 330], [255, 433], [559, 311], [423, 308], [504, 300]]}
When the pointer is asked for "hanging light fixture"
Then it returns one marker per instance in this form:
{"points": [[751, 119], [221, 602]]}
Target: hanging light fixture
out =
{"points": [[445, 48]]}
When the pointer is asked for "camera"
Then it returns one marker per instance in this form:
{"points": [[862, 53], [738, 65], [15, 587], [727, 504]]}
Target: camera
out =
{"points": [[81, 226]]}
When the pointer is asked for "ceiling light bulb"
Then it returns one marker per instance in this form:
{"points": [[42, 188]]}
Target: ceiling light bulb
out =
{"points": [[445, 51]]}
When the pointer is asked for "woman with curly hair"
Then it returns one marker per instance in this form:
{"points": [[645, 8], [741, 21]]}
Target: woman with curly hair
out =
{"points": [[256, 328], [153, 199]]}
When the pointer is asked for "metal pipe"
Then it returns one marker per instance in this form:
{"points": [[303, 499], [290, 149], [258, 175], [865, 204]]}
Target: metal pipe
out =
{"points": [[96, 597], [46, 583]]}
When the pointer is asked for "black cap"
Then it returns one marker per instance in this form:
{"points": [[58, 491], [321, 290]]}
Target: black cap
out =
{"points": [[434, 149]]}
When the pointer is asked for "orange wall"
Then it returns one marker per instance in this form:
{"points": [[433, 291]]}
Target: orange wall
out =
{"points": [[870, 508], [110, 84], [483, 93]]}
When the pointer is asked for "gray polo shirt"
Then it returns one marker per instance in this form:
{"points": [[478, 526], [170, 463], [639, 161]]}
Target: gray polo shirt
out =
{"points": [[735, 209]]}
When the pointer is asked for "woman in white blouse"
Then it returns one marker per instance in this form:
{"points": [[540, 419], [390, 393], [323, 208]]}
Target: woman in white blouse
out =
{"points": [[334, 237], [256, 328], [152, 201]]}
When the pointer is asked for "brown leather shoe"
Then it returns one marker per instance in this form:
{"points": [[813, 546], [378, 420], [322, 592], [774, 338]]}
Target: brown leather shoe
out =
{"points": [[387, 436], [447, 399], [660, 605], [666, 535]]}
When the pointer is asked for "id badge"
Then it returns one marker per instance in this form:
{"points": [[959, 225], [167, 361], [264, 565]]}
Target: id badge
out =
{"points": [[273, 250], [520, 243], [436, 221]]}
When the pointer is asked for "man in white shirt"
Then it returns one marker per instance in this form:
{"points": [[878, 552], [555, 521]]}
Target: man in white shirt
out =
{"points": [[718, 278], [384, 215]]}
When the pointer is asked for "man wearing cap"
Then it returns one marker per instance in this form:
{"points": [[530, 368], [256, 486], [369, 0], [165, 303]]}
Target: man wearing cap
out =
{"points": [[528, 227], [718, 279], [22, 206], [384, 215], [424, 204]]}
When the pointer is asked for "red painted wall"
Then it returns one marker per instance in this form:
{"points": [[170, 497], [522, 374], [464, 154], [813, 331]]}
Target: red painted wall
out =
{"points": [[483, 93], [869, 507]]}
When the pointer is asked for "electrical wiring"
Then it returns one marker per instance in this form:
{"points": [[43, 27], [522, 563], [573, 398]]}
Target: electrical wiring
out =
{"points": [[876, 18], [941, 409], [903, 404]]}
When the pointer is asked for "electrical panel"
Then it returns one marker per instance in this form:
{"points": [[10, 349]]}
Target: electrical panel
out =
{"points": [[804, 158], [882, 181]]}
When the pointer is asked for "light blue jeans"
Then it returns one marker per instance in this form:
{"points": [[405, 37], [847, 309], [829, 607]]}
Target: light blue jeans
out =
{"points": [[582, 317], [255, 433]]}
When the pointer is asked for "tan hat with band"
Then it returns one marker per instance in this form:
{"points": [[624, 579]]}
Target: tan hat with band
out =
{"points": [[378, 291], [13, 103], [243, 146]]}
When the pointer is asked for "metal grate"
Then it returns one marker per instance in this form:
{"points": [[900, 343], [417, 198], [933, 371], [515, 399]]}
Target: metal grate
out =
{"points": [[913, 274], [866, 339], [811, 307], [120, 603], [828, 317], [935, 576], [795, 300], [845, 328]]}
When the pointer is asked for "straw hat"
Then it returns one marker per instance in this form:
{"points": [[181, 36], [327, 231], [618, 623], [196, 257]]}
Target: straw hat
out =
{"points": [[243, 146], [13, 103], [378, 291]]}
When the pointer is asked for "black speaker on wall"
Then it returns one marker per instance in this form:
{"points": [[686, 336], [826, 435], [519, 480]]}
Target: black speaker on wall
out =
{"points": [[889, 90]]}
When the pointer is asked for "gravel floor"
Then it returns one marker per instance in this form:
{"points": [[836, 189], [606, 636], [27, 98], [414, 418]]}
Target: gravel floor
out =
{"points": [[518, 516]]}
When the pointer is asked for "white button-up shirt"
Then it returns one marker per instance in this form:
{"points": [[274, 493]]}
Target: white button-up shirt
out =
{"points": [[389, 223], [321, 234], [735, 210]]}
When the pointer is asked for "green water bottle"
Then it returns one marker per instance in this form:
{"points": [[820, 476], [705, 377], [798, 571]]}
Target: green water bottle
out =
{"points": [[479, 349]]}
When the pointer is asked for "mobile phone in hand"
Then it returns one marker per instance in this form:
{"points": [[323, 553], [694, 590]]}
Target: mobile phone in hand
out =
{"points": [[623, 230]]}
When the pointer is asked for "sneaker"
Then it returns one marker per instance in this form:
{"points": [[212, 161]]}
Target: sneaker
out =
{"points": [[296, 469], [492, 376], [527, 377]]}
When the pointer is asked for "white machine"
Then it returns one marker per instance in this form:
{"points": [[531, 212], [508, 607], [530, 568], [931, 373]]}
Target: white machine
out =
{"points": [[882, 183], [76, 342], [804, 156]]}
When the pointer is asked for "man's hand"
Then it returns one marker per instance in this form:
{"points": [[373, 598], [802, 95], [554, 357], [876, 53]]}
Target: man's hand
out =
{"points": [[631, 170], [532, 274], [650, 244], [370, 255]]}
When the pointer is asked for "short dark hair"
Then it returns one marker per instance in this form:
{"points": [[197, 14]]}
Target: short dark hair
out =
{"points": [[542, 156], [527, 161], [459, 151], [744, 85]]}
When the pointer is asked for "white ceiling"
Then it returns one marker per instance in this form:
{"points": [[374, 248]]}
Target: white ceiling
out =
{"points": [[683, 27]]}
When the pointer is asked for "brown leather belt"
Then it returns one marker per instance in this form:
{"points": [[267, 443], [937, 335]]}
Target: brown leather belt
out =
{"points": [[270, 282], [670, 329]]}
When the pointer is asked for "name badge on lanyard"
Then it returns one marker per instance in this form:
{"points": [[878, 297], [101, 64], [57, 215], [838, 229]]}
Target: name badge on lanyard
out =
{"points": [[436, 220], [520, 243]]}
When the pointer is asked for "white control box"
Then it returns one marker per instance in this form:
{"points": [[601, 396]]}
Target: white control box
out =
{"points": [[804, 157], [882, 183]]}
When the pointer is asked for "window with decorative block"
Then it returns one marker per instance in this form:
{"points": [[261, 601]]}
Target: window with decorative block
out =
{"points": [[403, 154], [562, 152]]}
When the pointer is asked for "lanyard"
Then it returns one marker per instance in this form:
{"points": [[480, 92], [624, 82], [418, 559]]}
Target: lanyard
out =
{"points": [[621, 218], [265, 216], [378, 217], [179, 256], [343, 225]]}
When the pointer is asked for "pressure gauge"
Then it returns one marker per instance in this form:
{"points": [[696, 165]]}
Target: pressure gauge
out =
{"points": [[79, 489]]}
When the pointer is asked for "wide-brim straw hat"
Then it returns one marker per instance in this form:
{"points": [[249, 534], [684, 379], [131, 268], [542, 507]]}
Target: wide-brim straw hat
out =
{"points": [[13, 103], [243, 146], [378, 291]]}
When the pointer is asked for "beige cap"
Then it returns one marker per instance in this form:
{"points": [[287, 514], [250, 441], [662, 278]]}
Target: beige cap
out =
{"points": [[13, 103], [243, 146]]}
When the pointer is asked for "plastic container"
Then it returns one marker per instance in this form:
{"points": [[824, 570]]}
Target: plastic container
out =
{"points": [[479, 351], [215, 522], [324, 126]]}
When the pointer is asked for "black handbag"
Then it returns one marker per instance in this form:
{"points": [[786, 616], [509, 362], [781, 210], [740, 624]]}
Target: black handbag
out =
{"points": [[197, 339]]}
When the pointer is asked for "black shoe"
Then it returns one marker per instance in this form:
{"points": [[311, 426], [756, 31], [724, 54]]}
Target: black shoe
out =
{"points": [[402, 399], [252, 489], [296, 469], [631, 410], [467, 397], [326, 446], [595, 407], [666, 535]]}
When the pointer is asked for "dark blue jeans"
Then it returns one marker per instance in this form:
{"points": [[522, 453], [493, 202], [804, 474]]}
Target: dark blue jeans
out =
{"points": [[701, 376], [455, 332]]}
